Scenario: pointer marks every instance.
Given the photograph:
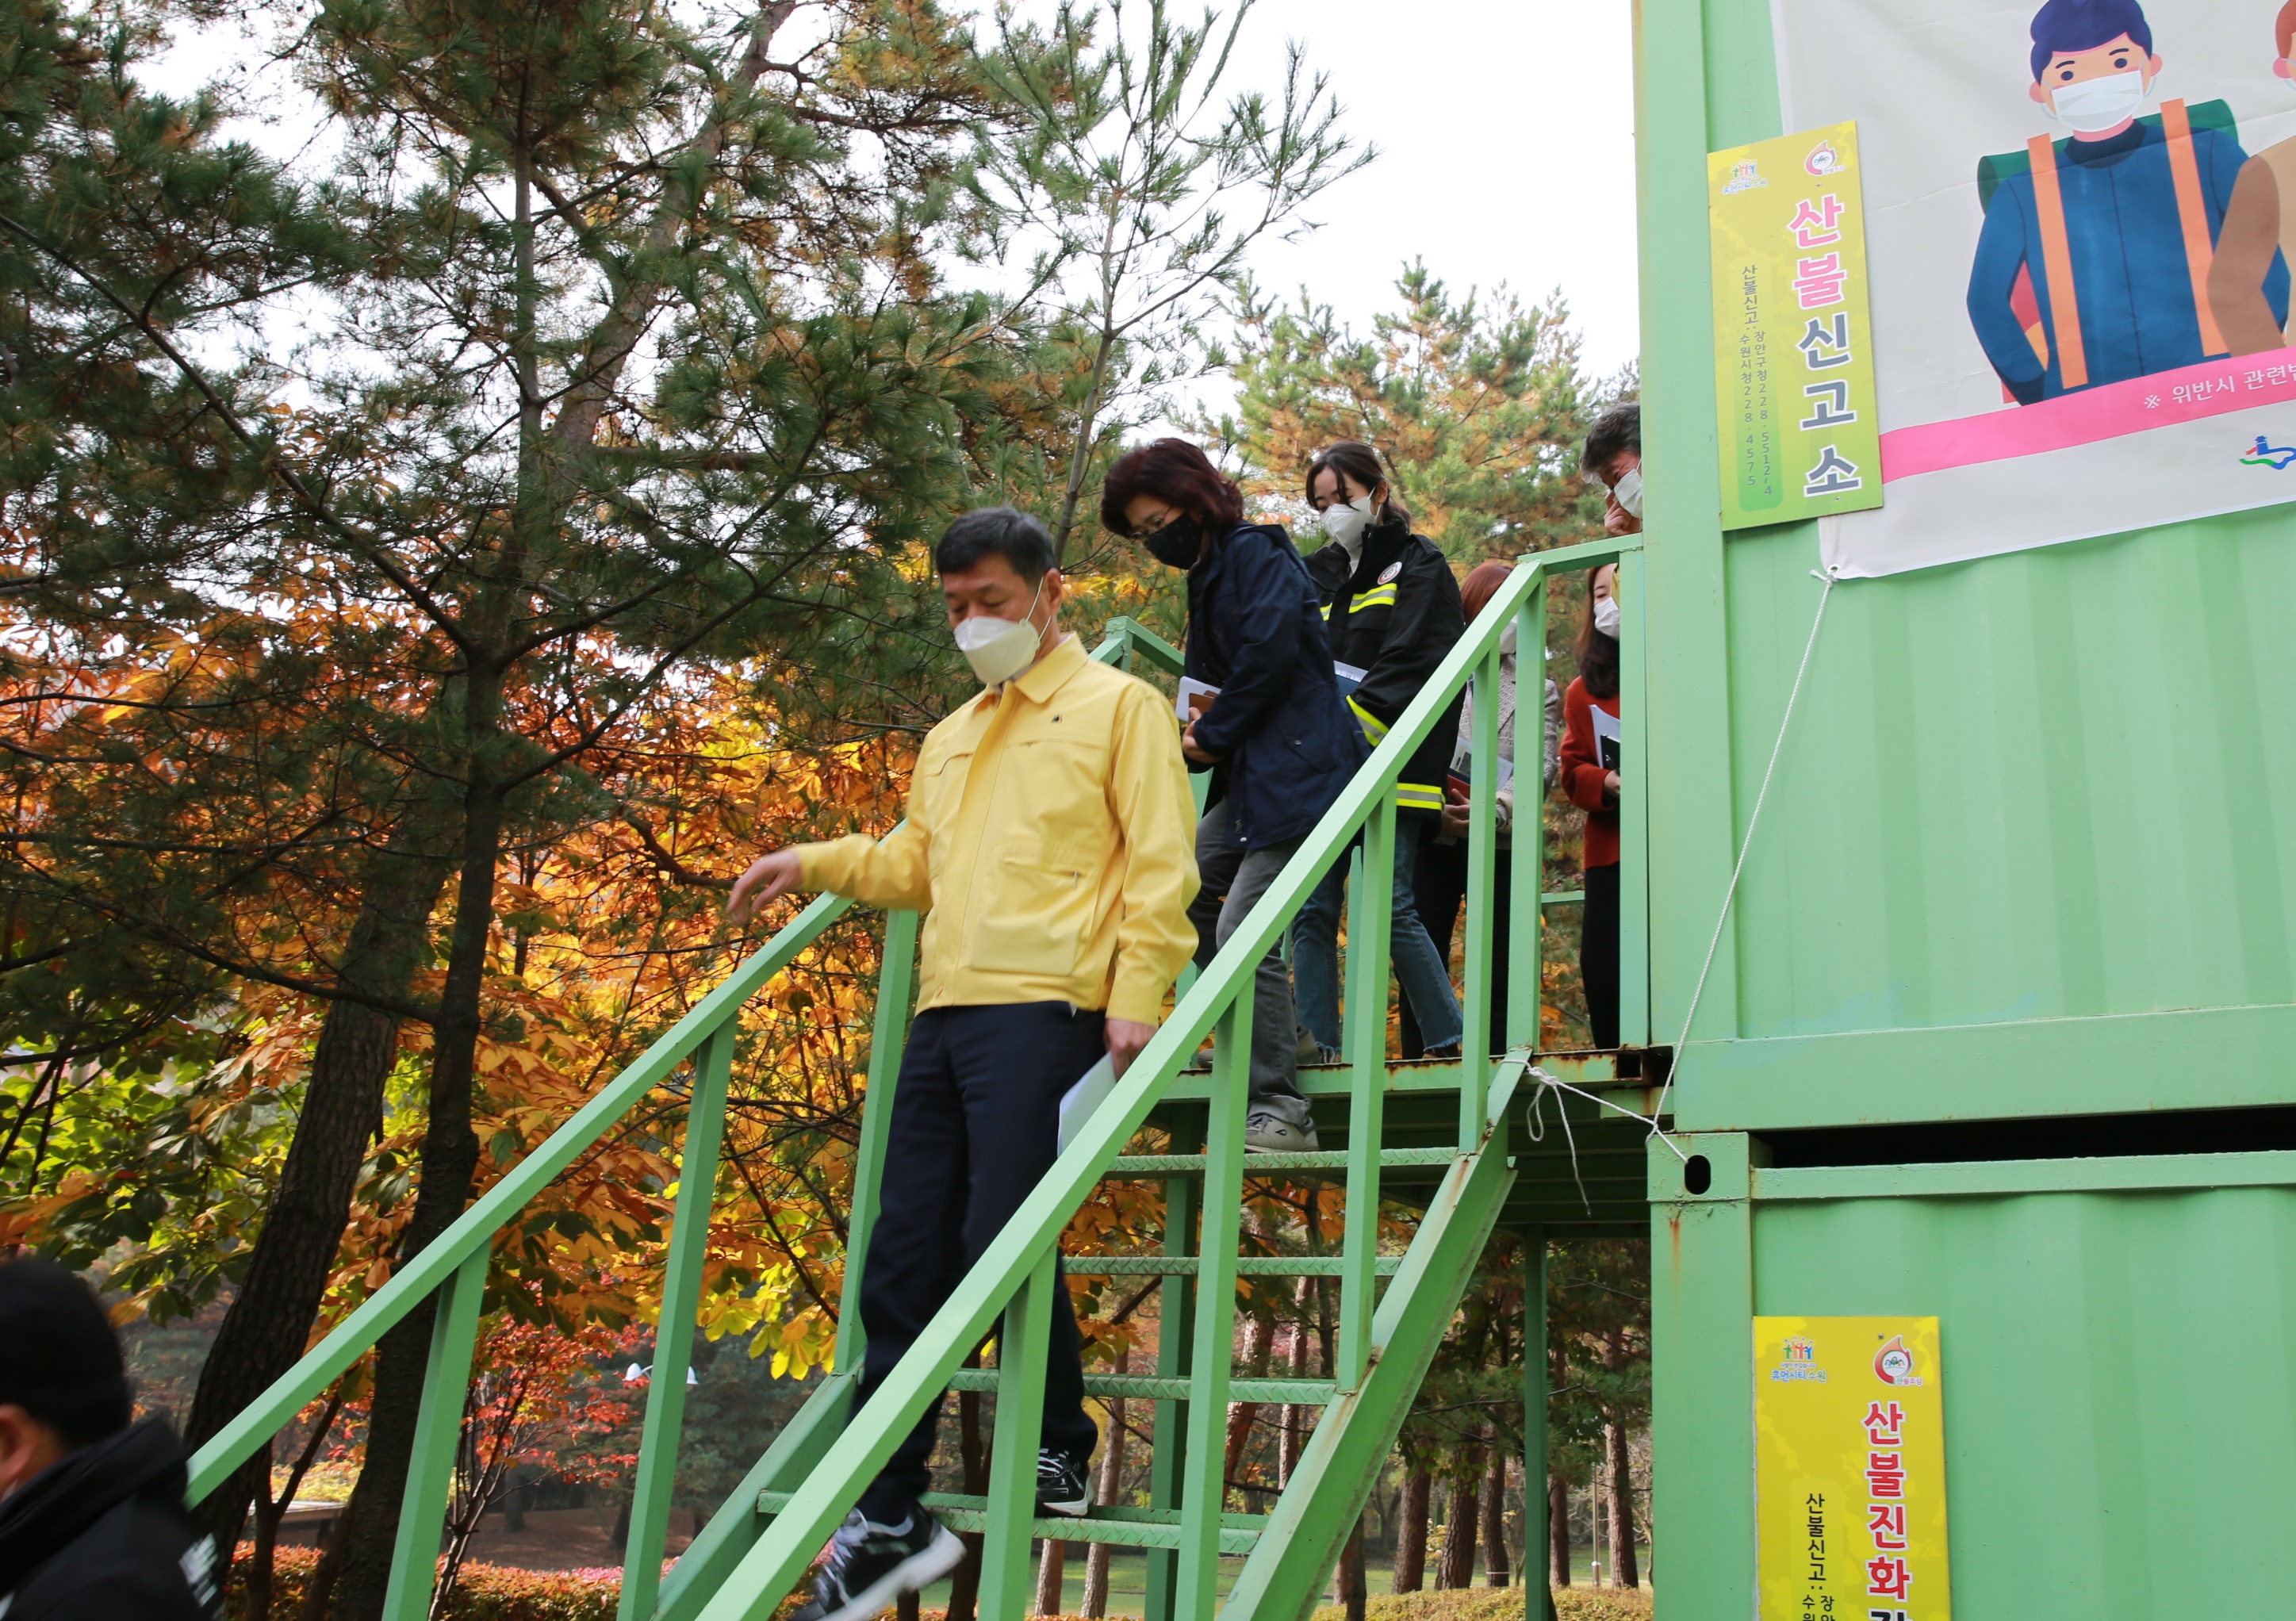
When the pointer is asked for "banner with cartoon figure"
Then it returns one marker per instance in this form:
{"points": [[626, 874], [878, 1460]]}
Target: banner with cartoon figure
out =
{"points": [[2080, 220], [1850, 1469]]}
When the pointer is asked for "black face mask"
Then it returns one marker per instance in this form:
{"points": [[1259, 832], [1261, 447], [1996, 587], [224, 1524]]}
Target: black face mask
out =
{"points": [[1179, 542]]}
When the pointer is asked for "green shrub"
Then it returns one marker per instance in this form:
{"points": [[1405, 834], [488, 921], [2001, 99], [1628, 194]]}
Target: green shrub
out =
{"points": [[1501, 1604], [496, 1593], [482, 1593]]}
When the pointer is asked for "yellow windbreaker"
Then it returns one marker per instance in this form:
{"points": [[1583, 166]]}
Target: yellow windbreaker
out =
{"points": [[1051, 843]]}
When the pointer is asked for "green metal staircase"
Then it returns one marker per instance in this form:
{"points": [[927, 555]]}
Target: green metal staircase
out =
{"points": [[1447, 1141]]}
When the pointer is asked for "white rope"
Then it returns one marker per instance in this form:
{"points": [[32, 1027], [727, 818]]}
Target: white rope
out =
{"points": [[1537, 1121], [1731, 894]]}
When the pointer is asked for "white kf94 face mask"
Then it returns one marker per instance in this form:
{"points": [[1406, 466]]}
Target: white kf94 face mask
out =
{"points": [[1345, 522], [2099, 104], [1606, 616], [999, 650], [1629, 491]]}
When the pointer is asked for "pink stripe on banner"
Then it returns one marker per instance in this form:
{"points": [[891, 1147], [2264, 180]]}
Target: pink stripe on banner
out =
{"points": [[2189, 395]]}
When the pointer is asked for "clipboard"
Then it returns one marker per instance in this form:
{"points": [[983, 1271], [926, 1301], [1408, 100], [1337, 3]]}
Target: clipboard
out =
{"points": [[1082, 1101], [1609, 739]]}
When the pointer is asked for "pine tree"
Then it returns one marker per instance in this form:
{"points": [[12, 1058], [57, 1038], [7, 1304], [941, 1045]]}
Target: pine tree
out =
{"points": [[624, 352], [1478, 403]]}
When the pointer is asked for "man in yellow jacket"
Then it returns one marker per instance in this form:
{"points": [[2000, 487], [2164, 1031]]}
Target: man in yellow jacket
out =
{"points": [[1050, 845]]}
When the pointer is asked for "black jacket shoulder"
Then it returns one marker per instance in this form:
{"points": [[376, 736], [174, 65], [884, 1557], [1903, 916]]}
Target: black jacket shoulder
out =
{"points": [[103, 1536]]}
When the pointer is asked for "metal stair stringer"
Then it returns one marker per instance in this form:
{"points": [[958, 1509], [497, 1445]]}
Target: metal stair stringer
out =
{"points": [[1289, 1569]]}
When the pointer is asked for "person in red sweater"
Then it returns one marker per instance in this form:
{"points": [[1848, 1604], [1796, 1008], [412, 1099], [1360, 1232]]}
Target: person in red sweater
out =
{"points": [[1590, 777]]}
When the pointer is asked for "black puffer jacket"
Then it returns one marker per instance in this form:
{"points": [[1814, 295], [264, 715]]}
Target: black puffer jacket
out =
{"points": [[1395, 615], [103, 1536]]}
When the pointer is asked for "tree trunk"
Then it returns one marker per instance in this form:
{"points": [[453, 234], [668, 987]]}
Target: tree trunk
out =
{"points": [[450, 1159], [1459, 1535], [1051, 1574], [1241, 1415], [1558, 1532], [1294, 1434], [1411, 1532], [1624, 1572], [965, 1582], [330, 1566], [1354, 1593], [1111, 1487], [268, 1325], [1498, 1569], [259, 1579]]}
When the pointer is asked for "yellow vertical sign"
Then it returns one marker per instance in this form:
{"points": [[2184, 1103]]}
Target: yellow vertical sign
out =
{"points": [[1850, 1469], [1793, 355]]}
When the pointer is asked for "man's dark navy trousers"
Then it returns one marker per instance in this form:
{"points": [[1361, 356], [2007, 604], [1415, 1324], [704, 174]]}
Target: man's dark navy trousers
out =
{"points": [[974, 1128]]}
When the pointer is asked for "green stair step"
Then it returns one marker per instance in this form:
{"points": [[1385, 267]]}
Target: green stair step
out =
{"points": [[1249, 1266], [1275, 1392], [1125, 1528], [1147, 1165]]}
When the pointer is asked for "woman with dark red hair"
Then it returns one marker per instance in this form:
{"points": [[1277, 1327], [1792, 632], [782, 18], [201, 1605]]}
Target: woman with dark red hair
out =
{"points": [[1277, 737]]}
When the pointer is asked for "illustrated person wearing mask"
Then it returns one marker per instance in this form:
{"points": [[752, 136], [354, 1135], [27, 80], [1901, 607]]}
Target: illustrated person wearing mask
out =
{"points": [[2260, 226], [2107, 237], [1049, 845], [92, 1525], [1612, 457], [1277, 737], [1394, 613], [1590, 778], [1441, 885]]}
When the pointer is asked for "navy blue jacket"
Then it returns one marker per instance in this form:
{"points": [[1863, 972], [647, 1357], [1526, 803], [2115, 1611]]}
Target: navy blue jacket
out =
{"points": [[1286, 743]]}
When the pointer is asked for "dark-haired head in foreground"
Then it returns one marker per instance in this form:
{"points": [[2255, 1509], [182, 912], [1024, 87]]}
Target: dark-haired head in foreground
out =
{"points": [[91, 1520]]}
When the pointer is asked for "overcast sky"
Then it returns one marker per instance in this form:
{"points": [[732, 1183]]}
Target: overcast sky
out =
{"points": [[1506, 129]]}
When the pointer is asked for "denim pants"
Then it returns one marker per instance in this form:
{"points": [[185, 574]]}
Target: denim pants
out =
{"points": [[1440, 894], [1233, 880], [975, 1117], [1419, 967]]}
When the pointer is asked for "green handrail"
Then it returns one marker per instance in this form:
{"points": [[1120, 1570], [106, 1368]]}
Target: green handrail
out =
{"points": [[454, 1265], [1014, 1277]]}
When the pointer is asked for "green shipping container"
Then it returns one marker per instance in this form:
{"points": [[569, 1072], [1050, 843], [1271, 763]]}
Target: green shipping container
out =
{"points": [[2002, 1025]]}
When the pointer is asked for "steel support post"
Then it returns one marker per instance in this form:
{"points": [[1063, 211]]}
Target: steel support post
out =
{"points": [[889, 1041], [1482, 854], [1005, 1588], [1526, 912], [1702, 1382], [1538, 1596], [437, 1436], [1633, 807], [1196, 1586], [1367, 1022], [673, 1337], [1176, 1330]]}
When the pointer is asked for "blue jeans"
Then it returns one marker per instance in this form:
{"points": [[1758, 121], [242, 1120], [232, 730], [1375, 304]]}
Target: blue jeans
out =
{"points": [[1419, 966]]}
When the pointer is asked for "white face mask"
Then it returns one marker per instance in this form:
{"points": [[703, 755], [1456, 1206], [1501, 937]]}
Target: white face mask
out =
{"points": [[999, 650], [1345, 522], [1507, 638], [1628, 492], [1606, 613], [2099, 104]]}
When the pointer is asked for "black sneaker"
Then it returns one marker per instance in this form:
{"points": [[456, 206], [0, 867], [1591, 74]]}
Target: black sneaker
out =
{"points": [[869, 1566], [1064, 1483]]}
